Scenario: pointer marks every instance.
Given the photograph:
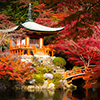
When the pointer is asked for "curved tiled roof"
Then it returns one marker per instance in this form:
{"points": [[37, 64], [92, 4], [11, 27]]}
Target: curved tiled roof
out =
{"points": [[39, 28], [30, 25]]}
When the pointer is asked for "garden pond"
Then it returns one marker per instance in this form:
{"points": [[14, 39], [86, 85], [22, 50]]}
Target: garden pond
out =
{"points": [[79, 94]]}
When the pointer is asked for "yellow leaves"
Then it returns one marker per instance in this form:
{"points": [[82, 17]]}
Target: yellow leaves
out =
{"points": [[55, 18]]}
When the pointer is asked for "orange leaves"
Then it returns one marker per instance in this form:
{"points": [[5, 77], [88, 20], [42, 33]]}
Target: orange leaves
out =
{"points": [[23, 72], [11, 67], [5, 71]]}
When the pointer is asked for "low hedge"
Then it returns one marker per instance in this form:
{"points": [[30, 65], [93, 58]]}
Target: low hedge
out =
{"points": [[59, 61]]}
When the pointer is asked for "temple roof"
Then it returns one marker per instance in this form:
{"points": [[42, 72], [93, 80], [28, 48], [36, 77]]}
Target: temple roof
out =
{"points": [[32, 26], [39, 28]]}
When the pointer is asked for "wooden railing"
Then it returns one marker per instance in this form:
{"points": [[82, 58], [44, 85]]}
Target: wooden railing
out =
{"points": [[20, 50], [78, 72]]}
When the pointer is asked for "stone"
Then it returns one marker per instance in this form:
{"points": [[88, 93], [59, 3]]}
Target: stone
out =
{"points": [[49, 76], [44, 86], [51, 86], [23, 60], [30, 88], [65, 85], [32, 81]]}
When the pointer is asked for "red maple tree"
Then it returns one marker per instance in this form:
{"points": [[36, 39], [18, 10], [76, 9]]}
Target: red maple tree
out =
{"points": [[85, 51]]}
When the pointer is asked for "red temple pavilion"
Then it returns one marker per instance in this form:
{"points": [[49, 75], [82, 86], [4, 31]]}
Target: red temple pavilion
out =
{"points": [[32, 42]]}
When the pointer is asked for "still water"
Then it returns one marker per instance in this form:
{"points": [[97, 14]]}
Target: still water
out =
{"points": [[79, 94]]}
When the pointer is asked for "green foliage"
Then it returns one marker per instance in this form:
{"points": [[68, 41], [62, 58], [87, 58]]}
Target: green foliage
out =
{"points": [[57, 77], [42, 69], [49, 69], [59, 61], [57, 84], [47, 40], [36, 3], [39, 79]]}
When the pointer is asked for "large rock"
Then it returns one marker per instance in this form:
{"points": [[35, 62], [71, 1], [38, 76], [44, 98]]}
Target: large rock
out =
{"points": [[31, 81], [45, 85], [65, 85], [26, 58], [49, 76], [51, 86], [30, 88]]}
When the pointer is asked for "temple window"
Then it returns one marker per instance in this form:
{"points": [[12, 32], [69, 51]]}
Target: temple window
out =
{"points": [[34, 41], [23, 40]]}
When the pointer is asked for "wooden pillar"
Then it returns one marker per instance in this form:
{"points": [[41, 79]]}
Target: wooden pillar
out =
{"points": [[14, 52], [48, 52], [40, 42], [28, 51], [20, 52], [44, 50], [26, 41], [52, 53], [20, 42], [17, 52], [23, 52], [29, 42]]}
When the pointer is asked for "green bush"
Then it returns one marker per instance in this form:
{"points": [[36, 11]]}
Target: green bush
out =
{"points": [[49, 69], [57, 76], [39, 79], [57, 84], [59, 61], [41, 70]]}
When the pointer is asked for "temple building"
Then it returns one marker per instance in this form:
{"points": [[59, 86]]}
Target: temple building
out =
{"points": [[32, 41]]}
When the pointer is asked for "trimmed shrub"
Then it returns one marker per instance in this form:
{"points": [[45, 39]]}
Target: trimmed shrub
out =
{"points": [[57, 84], [39, 79], [57, 76], [59, 61], [56, 79], [41, 70], [49, 69]]}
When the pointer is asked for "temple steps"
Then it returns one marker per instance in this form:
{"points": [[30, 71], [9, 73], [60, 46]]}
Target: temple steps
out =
{"points": [[40, 52]]}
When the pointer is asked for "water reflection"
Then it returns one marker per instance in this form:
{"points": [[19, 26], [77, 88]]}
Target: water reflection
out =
{"points": [[79, 94]]}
